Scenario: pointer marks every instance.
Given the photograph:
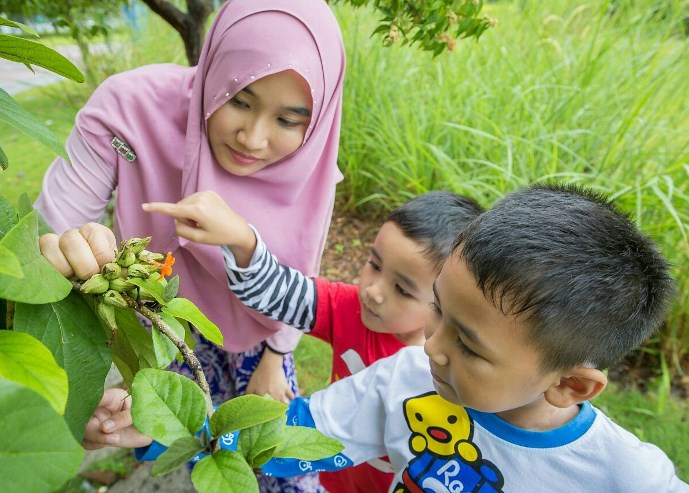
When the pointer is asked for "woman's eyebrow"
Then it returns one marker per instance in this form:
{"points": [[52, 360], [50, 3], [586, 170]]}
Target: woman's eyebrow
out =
{"points": [[299, 110]]}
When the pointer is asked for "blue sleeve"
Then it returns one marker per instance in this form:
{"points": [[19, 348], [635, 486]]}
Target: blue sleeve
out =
{"points": [[155, 449], [152, 452], [299, 414]]}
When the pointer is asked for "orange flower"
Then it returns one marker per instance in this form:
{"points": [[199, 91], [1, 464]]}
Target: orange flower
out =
{"points": [[165, 267]]}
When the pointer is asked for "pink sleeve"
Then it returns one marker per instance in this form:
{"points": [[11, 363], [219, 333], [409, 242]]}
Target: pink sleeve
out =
{"points": [[285, 340], [78, 192]]}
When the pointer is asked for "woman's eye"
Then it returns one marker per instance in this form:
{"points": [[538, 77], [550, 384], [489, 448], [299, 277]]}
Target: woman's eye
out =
{"points": [[239, 103], [375, 266], [436, 309], [288, 123]]}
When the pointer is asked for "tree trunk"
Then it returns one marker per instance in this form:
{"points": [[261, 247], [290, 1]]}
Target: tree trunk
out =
{"points": [[191, 25]]}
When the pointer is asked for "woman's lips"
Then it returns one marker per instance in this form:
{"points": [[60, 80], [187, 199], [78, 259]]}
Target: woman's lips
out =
{"points": [[240, 158]]}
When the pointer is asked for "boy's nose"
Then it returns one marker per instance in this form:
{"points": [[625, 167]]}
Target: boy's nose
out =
{"points": [[375, 293], [433, 347]]}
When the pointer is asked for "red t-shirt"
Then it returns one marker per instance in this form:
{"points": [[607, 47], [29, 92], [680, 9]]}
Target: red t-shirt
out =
{"points": [[338, 322]]}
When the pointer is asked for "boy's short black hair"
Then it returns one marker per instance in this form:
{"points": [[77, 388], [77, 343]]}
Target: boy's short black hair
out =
{"points": [[434, 219], [589, 284]]}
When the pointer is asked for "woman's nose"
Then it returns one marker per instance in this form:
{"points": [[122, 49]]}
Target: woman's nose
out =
{"points": [[254, 135]]}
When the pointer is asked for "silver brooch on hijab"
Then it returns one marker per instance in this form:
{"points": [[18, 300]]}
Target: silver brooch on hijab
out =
{"points": [[123, 149]]}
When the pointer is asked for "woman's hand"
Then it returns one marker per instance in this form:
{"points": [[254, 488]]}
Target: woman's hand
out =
{"points": [[111, 423], [204, 217], [269, 378], [79, 252]]}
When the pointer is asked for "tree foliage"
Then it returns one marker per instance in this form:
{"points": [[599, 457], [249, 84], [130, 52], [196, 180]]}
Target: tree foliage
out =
{"points": [[83, 20]]}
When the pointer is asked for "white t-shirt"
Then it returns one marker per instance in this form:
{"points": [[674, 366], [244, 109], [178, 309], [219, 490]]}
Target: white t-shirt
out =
{"points": [[392, 409]]}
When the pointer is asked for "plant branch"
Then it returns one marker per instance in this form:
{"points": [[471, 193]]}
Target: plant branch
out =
{"points": [[187, 353]]}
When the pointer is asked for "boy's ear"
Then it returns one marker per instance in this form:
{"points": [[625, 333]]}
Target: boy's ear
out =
{"points": [[577, 385]]}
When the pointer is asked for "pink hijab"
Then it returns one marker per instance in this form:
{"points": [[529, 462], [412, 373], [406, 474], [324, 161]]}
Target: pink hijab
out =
{"points": [[160, 111]]}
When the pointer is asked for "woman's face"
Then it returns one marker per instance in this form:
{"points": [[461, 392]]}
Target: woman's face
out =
{"points": [[261, 124]]}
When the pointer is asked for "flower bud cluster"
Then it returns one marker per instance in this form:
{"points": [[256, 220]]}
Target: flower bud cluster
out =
{"points": [[132, 260]]}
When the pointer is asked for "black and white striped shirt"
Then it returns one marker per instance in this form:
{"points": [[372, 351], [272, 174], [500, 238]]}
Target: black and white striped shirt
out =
{"points": [[271, 288]]}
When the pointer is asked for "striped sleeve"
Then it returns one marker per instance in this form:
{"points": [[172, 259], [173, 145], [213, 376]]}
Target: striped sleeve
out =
{"points": [[275, 290]]}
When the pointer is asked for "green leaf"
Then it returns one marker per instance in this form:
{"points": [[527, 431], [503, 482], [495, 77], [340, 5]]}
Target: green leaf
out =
{"points": [[178, 454], [13, 114], [167, 406], [24, 360], [257, 440], [4, 163], [132, 348], [71, 331], [304, 443], [37, 451], [245, 411], [41, 282], [154, 288], [32, 53], [262, 457], [224, 471], [8, 216], [186, 310], [9, 263], [24, 205], [171, 289], [164, 348], [23, 27]]}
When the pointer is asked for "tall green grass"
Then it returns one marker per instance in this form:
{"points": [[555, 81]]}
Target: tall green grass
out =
{"points": [[592, 93]]}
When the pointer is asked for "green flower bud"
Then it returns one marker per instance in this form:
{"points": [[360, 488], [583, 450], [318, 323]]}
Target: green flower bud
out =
{"points": [[97, 284], [120, 285], [112, 297], [111, 271], [133, 293], [135, 245], [138, 270], [125, 258], [149, 257], [106, 313]]}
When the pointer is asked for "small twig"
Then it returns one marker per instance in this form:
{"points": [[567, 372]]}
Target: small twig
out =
{"points": [[188, 355]]}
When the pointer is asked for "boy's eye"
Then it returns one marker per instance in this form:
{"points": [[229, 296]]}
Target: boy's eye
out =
{"points": [[464, 349], [373, 264], [402, 291]]}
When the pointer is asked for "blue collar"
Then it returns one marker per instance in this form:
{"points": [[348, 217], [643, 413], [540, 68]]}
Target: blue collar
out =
{"points": [[537, 439]]}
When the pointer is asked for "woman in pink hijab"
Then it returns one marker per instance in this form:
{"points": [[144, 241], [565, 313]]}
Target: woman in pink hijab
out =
{"points": [[258, 122]]}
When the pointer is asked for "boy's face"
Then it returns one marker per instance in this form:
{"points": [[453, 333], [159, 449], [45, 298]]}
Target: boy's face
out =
{"points": [[479, 357], [395, 286]]}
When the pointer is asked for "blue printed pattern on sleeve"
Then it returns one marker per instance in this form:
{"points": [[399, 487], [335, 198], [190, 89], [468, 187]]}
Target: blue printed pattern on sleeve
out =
{"points": [[299, 414]]}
